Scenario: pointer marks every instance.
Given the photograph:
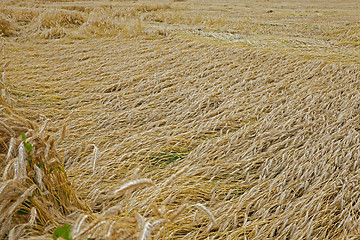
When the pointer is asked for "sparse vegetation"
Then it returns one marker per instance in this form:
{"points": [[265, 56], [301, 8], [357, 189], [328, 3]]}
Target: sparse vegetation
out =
{"points": [[179, 120]]}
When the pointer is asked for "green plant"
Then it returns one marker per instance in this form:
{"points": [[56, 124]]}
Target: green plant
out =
{"points": [[29, 148], [63, 232], [166, 158]]}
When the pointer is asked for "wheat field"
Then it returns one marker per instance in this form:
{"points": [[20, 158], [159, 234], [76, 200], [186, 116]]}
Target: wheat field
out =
{"points": [[181, 119]]}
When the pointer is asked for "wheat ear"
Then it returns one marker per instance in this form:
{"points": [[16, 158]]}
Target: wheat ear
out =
{"points": [[207, 212], [146, 231], [157, 211], [177, 213], [134, 184]]}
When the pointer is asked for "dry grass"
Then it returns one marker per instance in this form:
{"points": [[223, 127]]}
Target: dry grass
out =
{"points": [[175, 121], [6, 26], [35, 191]]}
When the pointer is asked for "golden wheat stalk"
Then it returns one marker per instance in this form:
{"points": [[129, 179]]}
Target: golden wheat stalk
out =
{"points": [[146, 231], [134, 184], [157, 211], [95, 153], [177, 213], [207, 212], [9, 211], [176, 175]]}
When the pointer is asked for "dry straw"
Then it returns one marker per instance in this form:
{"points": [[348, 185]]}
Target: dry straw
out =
{"points": [[207, 212], [37, 182], [134, 184], [268, 142]]}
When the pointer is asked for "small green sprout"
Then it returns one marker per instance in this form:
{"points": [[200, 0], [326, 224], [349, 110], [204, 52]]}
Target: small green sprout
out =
{"points": [[63, 232], [27, 145]]}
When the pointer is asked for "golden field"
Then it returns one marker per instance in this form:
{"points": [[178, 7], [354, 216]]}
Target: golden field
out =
{"points": [[182, 119]]}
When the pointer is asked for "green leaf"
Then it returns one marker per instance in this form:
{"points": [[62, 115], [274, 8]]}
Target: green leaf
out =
{"points": [[51, 169], [40, 164], [63, 232], [60, 168], [29, 159], [23, 137], [23, 211], [28, 146]]}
